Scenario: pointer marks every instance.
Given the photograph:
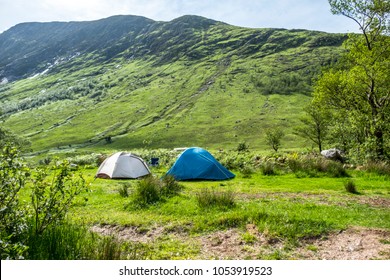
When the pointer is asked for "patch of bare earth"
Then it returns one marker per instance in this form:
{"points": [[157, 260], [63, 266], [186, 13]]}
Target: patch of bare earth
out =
{"points": [[230, 244], [133, 234], [351, 244]]}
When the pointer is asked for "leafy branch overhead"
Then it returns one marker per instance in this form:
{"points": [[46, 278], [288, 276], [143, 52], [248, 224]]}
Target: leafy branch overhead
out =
{"points": [[357, 89]]}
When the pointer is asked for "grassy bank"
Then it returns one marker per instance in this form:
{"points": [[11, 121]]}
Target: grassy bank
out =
{"points": [[283, 208]]}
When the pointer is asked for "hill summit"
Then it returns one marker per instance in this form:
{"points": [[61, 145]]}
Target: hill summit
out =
{"points": [[129, 81]]}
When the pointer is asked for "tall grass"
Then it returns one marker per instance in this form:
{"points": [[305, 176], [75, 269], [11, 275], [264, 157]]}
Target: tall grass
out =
{"points": [[379, 168], [207, 198], [268, 169], [74, 242], [350, 187], [152, 190], [316, 167]]}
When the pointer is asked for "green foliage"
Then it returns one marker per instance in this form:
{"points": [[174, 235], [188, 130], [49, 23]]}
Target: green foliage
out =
{"points": [[315, 166], [7, 137], [358, 88], [68, 241], [147, 192], [13, 177], [249, 238], [242, 147], [315, 125], [50, 201], [380, 168], [152, 190], [194, 83], [51, 198], [207, 198], [247, 171], [350, 187], [170, 187], [123, 190], [268, 168], [273, 137], [92, 160]]}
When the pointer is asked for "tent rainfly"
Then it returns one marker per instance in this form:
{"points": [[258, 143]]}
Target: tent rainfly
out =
{"points": [[123, 166], [198, 164]]}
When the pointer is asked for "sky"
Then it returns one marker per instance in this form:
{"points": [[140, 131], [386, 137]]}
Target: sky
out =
{"points": [[289, 14]]}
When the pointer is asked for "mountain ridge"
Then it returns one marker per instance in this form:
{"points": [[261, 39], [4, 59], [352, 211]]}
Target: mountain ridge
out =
{"points": [[140, 82], [27, 47]]}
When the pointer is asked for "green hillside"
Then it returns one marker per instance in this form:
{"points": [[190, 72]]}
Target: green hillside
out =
{"points": [[128, 82]]}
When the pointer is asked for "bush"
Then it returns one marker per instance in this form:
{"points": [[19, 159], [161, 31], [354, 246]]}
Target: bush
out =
{"points": [[243, 147], [147, 192], [350, 187], [51, 199], [170, 187], [210, 198], [247, 171], [152, 190], [124, 190], [268, 168], [379, 168], [53, 192], [13, 177], [314, 167], [87, 160]]}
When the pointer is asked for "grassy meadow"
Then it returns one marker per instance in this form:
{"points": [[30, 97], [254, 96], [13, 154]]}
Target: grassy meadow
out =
{"points": [[268, 216], [181, 84]]}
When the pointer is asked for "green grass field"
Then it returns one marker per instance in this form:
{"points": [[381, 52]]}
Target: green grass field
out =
{"points": [[285, 210]]}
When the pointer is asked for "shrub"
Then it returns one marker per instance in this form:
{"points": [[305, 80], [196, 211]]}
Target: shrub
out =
{"points": [[247, 171], [313, 167], [170, 187], [379, 168], [151, 190], [242, 147], [147, 191], [13, 177], [268, 168], [210, 198], [335, 169], [90, 159], [124, 190], [52, 197], [350, 187]]}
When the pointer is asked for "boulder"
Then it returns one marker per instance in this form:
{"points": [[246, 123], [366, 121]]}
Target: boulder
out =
{"points": [[333, 154]]}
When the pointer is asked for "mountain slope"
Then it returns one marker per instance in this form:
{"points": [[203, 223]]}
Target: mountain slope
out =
{"points": [[128, 81]]}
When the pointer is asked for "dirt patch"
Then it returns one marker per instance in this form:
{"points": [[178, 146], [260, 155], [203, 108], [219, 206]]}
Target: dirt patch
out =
{"points": [[235, 244], [133, 234], [351, 244]]}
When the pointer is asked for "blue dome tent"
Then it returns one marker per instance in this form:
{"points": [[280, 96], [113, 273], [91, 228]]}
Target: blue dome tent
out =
{"points": [[198, 164]]}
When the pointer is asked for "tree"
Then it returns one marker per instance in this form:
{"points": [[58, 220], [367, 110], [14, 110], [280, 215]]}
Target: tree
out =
{"points": [[358, 89], [315, 125], [273, 138]]}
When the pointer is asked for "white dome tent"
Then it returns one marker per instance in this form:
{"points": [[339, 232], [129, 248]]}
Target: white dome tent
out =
{"points": [[123, 165]]}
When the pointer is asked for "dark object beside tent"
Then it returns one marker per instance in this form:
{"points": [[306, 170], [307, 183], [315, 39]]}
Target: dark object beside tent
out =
{"points": [[198, 164]]}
